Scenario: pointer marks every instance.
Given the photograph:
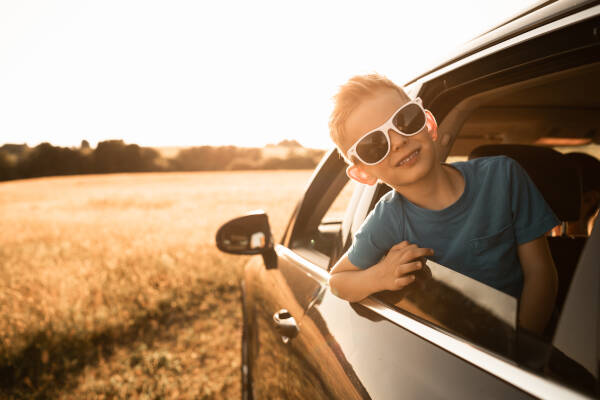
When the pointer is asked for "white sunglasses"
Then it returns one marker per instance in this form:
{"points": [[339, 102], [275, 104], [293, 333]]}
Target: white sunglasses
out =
{"points": [[374, 146]]}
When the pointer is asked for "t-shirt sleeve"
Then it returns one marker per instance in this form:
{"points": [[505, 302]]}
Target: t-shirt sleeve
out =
{"points": [[374, 238], [532, 216]]}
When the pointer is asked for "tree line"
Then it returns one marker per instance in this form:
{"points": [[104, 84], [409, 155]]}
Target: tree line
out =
{"points": [[18, 161]]}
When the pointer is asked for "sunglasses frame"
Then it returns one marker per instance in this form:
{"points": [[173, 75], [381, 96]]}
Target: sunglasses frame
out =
{"points": [[385, 127]]}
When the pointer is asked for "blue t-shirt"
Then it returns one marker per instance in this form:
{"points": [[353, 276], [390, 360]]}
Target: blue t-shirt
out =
{"points": [[477, 236]]}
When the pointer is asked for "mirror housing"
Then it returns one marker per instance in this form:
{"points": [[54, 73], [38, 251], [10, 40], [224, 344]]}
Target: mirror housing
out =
{"points": [[248, 235]]}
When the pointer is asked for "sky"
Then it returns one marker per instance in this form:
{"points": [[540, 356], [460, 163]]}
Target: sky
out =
{"points": [[191, 73]]}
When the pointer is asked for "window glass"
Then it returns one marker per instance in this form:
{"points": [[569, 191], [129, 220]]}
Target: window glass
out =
{"points": [[461, 306], [338, 208], [327, 238]]}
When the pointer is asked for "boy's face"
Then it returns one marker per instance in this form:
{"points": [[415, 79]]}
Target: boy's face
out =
{"points": [[410, 158]]}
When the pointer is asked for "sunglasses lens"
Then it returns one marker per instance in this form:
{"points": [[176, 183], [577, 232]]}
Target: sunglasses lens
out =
{"points": [[410, 119], [373, 147]]}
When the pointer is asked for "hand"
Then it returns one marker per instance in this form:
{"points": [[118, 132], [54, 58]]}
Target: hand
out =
{"points": [[393, 271]]}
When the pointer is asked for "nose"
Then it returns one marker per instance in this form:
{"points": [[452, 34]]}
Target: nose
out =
{"points": [[396, 140]]}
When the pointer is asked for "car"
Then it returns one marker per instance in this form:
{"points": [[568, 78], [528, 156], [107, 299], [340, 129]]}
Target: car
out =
{"points": [[528, 89]]}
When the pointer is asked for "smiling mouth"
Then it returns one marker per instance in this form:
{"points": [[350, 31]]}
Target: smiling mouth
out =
{"points": [[409, 158]]}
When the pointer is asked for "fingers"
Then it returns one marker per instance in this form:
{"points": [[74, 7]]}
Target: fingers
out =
{"points": [[407, 268], [401, 282], [404, 252], [401, 276], [402, 260], [405, 246], [400, 246], [411, 253]]}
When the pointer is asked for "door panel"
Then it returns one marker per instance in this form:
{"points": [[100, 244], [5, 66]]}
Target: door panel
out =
{"points": [[391, 362], [278, 369], [292, 370], [274, 367]]}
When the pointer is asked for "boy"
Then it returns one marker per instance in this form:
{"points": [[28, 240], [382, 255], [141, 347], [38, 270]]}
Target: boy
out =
{"points": [[483, 218]]}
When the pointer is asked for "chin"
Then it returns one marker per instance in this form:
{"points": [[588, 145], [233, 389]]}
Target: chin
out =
{"points": [[411, 175]]}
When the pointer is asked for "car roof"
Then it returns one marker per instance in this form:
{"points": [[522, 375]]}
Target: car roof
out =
{"points": [[536, 15]]}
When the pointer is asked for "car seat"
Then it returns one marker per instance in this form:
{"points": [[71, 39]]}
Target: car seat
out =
{"points": [[559, 181]]}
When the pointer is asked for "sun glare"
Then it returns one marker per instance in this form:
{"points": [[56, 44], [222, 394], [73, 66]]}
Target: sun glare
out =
{"points": [[198, 73]]}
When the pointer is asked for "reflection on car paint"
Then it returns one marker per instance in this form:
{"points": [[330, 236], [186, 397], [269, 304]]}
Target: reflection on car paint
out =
{"points": [[285, 370], [388, 362]]}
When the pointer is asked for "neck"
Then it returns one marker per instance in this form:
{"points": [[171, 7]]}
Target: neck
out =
{"points": [[441, 188]]}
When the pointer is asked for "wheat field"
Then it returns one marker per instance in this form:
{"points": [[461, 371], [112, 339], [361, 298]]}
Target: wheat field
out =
{"points": [[111, 285]]}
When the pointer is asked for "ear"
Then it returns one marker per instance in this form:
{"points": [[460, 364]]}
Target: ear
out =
{"points": [[431, 125], [358, 174]]}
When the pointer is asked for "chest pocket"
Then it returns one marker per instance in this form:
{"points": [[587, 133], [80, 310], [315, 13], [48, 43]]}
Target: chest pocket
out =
{"points": [[504, 238]]}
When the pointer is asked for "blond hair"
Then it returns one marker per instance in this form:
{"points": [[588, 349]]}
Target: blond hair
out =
{"points": [[350, 95]]}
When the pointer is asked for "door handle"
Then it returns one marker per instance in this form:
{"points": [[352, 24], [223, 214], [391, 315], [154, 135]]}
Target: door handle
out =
{"points": [[285, 325]]}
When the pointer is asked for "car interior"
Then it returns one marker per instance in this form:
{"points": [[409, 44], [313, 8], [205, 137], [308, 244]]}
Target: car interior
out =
{"points": [[558, 109]]}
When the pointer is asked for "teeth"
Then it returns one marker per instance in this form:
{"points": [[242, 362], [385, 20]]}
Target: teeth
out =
{"points": [[410, 157]]}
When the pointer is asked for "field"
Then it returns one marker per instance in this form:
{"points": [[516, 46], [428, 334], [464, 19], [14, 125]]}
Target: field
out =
{"points": [[111, 286]]}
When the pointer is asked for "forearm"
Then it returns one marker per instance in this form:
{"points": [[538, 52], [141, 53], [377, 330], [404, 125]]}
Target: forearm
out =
{"points": [[393, 272], [537, 301], [540, 285], [354, 286]]}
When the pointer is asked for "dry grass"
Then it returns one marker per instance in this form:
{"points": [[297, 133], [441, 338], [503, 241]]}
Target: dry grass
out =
{"points": [[110, 285]]}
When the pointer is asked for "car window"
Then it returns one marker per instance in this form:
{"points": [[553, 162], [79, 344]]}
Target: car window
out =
{"points": [[328, 239], [338, 208], [321, 221]]}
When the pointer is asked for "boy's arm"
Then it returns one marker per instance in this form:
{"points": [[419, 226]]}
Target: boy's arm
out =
{"points": [[540, 285], [354, 284]]}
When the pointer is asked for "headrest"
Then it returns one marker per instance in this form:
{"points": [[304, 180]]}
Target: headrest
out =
{"points": [[556, 177], [590, 170]]}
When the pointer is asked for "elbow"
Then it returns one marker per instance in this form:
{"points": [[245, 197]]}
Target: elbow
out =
{"points": [[336, 284]]}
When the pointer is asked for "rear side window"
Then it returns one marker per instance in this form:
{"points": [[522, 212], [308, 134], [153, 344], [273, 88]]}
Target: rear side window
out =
{"points": [[325, 238], [337, 210]]}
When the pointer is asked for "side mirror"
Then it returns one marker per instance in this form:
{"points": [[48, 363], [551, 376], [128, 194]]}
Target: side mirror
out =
{"points": [[250, 234]]}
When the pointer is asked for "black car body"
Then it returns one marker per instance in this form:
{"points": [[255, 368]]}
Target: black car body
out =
{"points": [[532, 81]]}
